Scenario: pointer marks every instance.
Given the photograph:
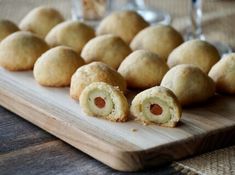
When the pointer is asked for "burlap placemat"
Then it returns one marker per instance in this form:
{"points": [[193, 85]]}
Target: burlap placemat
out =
{"points": [[219, 162], [218, 24]]}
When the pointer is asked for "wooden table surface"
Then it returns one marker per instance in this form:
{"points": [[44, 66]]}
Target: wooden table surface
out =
{"points": [[26, 149]]}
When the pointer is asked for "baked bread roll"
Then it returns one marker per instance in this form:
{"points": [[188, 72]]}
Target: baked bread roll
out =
{"points": [[95, 72], [143, 69], [74, 34], [157, 105], [125, 24], [160, 39], [106, 101], [223, 74], [56, 66], [7, 28], [189, 83], [41, 20], [197, 52], [20, 50], [109, 49]]}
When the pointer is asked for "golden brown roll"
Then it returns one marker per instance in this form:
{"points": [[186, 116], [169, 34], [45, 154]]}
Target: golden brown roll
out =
{"points": [[125, 24], [109, 49], [56, 66], [20, 50], [143, 69], [95, 72], [197, 52], [74, 34], [160, 39], [157, 105], [100, 99], [189, 83], [41, 20], [6, 28], [223, 74]]}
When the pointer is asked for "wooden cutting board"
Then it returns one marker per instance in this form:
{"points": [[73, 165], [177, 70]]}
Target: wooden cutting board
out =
{"points": [[202, 128]]}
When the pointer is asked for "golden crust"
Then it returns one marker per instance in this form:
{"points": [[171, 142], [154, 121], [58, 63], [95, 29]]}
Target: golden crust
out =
{"points": [[120, 110], [197, 52], [74, 34], [160, 93], [125, 24], [109, 49], [223, 74], [56, 66], [160, 39], [41, 20], [143, 69], [20, 50], [6, 28], [95, 72], [189, 83]]}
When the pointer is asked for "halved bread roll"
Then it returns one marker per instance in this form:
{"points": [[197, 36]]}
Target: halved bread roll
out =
{"points": [[106, 101], [157, 105]]}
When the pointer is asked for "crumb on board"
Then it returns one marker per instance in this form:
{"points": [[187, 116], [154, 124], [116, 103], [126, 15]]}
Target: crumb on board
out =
{"points": [[133, 129], [145, 124]]}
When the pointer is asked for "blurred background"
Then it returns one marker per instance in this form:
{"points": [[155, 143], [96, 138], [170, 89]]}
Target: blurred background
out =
{"points": [[217, 20]]}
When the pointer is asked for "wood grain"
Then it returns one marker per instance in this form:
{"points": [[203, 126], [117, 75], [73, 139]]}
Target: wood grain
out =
{"points": [[16, 133], [202, 128], [56, 157]]}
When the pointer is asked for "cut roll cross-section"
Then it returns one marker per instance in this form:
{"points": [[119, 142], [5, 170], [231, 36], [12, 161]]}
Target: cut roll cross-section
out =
{"points": [[157, 105], [106, 101]]}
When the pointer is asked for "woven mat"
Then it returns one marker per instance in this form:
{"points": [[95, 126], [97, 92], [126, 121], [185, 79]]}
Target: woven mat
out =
{"points": [[218, 24], [219, 162]]}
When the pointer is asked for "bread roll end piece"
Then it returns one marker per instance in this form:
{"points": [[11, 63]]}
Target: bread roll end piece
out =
{"points": [[157, 105], [102, 100]]}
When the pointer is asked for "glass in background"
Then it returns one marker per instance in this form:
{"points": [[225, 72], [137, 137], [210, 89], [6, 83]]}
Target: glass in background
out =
{"points": [[93, 11], [89, 11], [195, 11], [150, 14]]}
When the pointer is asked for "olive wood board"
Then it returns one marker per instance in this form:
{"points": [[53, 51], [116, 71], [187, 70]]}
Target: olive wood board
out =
{"points": [[202, 128]]}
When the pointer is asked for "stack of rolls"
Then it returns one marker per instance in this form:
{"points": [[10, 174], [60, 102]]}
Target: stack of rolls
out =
{"points": [[122, 55]]}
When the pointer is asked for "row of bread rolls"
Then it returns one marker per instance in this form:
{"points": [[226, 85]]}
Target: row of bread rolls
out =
{"points": [[158, 48]]}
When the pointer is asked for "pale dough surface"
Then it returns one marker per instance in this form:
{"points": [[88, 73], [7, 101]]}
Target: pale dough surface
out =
{"points": [[95, 72], [143, 69], [125, 24], [6, 28], [223, 74], [41, 20], [74, 34], [56, 66], [189, 83], [20, 50], [108, 48], [197, 52], [160, 39]]}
